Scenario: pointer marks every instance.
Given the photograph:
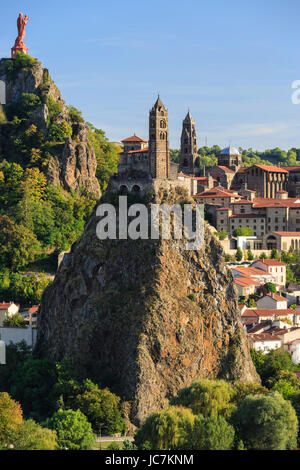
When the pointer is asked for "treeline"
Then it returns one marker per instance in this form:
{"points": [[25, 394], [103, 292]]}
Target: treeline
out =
{"points": [[209, 156], [45, 405], [221, 415]]}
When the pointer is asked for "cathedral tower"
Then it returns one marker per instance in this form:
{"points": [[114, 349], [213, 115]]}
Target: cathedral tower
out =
{"points": [[159, 155], [189, 147]]}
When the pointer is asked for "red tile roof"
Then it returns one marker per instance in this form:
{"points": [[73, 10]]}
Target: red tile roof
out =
{"points": [[276, 297], [247, 272], [276, 169], [217, 192], [260, 202], [291, 168], [34, 309], [245, 281], [6, 305], [138, 151], [225, 168], [134, 138], [288, 234], [268, 312], [259, 327], [270, 262], [265, 337]]}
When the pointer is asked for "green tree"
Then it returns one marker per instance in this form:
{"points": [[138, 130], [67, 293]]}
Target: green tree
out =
{"points": [[18, 245], [258, 359], [73, 430], [270, 287], [15, 320], [211, 433], [32, 436], [10, 418], [16, 354], [274, 254], [107, 155], [207, 397], [222, 235], [239, 254], [165, 430], [101, 407], [33, 386], [267, 423], [242, 232], [59, 131], [242, 390], [273, 364], [250, 255], [285, 388]]}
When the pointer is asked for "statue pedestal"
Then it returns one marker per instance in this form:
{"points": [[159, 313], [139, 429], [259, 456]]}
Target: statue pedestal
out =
{"points": [[16, 49]]}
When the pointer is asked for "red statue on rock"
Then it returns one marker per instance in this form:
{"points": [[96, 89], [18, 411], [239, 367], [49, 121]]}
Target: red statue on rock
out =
{"points": [[19, 43]]}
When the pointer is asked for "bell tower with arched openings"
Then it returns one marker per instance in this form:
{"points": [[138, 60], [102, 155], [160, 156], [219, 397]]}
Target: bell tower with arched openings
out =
{"points": [[159, 155], [189, 148]]}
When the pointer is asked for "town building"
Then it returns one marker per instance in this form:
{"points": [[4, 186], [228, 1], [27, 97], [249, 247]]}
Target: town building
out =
{"points": [[275, 267], [7, 309]]}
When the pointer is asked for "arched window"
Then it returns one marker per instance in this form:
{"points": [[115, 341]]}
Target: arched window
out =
{"points": [[163, 124], [136, 189], [162, 136], [123, 189]]}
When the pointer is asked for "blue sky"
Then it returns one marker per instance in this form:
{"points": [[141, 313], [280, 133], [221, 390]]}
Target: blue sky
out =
{"points": [[231, 62]]}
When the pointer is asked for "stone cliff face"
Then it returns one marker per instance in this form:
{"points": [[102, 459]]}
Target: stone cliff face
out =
{"points": [[145, 317], [73, 165]]}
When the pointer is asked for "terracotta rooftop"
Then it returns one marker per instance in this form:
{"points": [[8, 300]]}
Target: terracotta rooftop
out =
{"points": [[266, 337], [134, 138], [276, 297], [251, 271], [6, 305], [270, 262], [273, 202], [268, 312], [259, 327], [33, 309], [292, 168], [225, 168], [217, 192], [138, 151], [275, 169], [242, 202], [288, 234], [246, 281]]}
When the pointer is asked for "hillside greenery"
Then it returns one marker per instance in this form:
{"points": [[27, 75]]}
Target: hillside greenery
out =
{"points": [[38, 220]]}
